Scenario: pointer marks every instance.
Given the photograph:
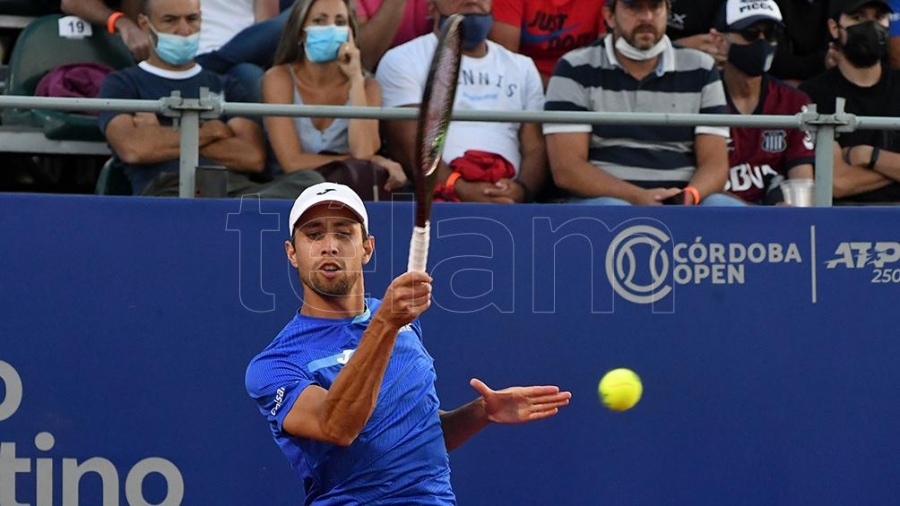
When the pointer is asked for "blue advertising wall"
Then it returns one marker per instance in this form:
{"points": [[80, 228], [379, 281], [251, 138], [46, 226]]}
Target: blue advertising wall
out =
{"points": [[765, 339]]}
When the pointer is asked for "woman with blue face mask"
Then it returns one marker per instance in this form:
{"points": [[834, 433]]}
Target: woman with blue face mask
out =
{"points": [[318, 63]]}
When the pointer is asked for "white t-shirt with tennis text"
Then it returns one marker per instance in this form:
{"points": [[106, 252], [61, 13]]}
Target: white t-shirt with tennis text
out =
{"points": [[499, 81]]}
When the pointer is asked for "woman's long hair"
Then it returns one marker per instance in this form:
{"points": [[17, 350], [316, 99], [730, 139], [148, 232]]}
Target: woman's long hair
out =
{"points": [[289, 49]]}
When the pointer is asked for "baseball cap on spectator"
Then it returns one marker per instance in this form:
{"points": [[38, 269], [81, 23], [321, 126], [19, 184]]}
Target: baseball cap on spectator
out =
{"points": [[330, 194], [736, 15], [839, 7]]}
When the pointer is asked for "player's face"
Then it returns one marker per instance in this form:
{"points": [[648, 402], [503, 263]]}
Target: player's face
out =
{"points": [[642, 24], [329, 251]]}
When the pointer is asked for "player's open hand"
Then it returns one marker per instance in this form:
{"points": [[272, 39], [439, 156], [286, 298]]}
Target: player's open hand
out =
{"points": [[520, 404], [408, 297]]}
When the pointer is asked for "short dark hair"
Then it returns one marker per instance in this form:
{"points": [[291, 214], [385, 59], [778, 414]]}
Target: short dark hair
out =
{"points": [[839, 7]]}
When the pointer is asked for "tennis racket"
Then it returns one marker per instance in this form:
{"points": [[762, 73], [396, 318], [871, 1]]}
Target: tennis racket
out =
{"points": [[431, 132]]}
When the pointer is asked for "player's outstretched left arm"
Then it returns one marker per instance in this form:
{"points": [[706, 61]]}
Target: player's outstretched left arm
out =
{"points": [[511, 405]]}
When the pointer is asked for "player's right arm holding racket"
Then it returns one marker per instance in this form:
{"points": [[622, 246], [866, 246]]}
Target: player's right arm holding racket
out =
{"points": [[339, 414]]}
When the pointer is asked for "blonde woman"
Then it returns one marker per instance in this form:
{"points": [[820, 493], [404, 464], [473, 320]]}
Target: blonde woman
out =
{"points": [[318, 63]]}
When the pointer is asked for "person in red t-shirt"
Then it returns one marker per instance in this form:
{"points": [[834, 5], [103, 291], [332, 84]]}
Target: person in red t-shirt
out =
{"points": [[546, 29], [760, 158]]}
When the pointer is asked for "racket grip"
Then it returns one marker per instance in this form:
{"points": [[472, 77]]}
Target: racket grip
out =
{"points": [[418, 248]]}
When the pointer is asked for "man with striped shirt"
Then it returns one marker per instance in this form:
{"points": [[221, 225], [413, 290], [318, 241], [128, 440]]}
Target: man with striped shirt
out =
{"points": [[636, 69]]}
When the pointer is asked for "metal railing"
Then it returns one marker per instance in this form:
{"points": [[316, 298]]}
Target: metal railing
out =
{"points": [[188, 113]]}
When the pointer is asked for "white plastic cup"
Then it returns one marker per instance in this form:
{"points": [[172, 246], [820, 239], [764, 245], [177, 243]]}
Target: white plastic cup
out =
{"points": [[799, 192]]}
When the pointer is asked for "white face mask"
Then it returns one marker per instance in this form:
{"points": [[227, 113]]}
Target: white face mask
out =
{"points": [[633, 53]]}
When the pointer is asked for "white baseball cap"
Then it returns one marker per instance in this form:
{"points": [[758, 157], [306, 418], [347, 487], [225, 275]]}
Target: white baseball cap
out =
{"points": [[740, 14], [330, 193]]}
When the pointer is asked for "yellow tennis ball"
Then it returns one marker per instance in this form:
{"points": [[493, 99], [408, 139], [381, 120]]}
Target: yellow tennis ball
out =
{"points": [[620, 389]]}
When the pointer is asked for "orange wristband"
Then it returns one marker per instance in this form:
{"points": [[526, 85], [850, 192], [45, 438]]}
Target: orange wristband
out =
{"points": [[448, 186], [111, 22], [695, 195]]}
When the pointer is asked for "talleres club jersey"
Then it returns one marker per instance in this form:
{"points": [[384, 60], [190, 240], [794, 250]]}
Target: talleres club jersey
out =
{"points": [[760, 158]]}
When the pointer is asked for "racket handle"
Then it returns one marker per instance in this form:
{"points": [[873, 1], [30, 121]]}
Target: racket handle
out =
{"points": [[418, 248]]}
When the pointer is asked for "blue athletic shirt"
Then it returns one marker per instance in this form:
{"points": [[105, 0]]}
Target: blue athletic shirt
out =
{"points": [[400, 456]]}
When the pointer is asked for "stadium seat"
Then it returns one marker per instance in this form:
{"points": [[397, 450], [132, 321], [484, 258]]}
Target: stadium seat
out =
{"points": [[112, 180], [38, 50]]}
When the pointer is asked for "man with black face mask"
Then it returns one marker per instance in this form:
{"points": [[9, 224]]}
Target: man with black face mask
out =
{"points": [[502, 163], [760, 158], [867, 163]]}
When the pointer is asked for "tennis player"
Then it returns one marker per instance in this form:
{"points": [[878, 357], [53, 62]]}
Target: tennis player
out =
{"points": [[347, 386]]}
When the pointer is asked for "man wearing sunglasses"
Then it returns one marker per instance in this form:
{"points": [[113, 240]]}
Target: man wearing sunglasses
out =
{"points": [[866, 162], [760, 158]]}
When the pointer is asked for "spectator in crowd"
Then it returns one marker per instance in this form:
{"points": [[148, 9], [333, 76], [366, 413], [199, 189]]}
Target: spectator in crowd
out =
{"points": [[867, 162], [117, 16], [146, 144], [894, 41], [239, 36], [347, 388], [384, 24], [318, 63], [545, 30], [760, 158], [636, 69], [691, 25], [804, 49], [482, 162]]}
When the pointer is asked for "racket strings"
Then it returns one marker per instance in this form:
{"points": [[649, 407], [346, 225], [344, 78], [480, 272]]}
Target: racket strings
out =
{"points": [[440, 105], [434, 116]]}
